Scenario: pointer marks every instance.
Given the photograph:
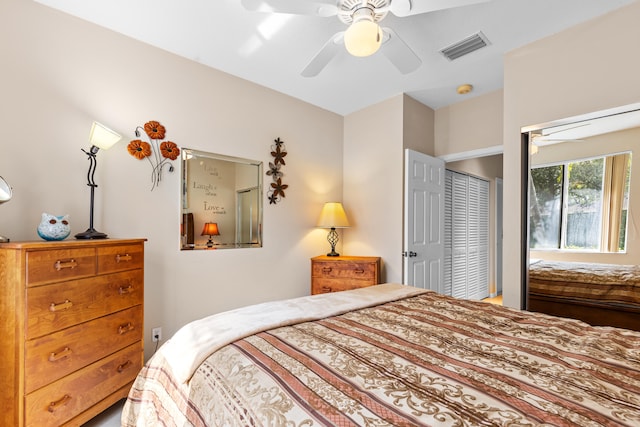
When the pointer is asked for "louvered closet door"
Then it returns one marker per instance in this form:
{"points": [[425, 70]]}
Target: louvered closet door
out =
{"points": [[483, 239], [466, 236], [473, 239], [448, 212], [459, 235]]}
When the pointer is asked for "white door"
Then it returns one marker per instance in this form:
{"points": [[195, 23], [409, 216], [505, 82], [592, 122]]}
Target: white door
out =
{"points": [[499, 236], [423, 221]]}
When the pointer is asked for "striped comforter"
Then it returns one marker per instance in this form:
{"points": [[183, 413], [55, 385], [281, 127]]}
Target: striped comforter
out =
{"points": [[422, 360], [609, 284]]}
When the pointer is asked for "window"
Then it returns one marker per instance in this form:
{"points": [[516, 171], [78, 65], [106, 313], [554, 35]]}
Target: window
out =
{"points": [[580, 204]]}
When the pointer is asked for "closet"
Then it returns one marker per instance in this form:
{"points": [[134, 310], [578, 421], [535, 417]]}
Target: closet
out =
{"points": [[466, 236]]}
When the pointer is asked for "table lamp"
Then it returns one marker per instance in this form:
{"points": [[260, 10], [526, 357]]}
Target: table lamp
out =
{"points": [[333, 216]]}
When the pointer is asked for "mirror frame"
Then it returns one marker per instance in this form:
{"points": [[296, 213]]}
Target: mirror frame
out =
{"points": [[525, 148], [215, 205]]}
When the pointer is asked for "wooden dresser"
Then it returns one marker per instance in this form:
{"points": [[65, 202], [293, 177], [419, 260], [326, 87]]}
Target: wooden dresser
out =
{"points": [[71, 328], [341, 273]]}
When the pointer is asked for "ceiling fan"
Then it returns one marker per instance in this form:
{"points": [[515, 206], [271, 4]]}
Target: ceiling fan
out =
{"points": [[544, 137], [364, 36]]}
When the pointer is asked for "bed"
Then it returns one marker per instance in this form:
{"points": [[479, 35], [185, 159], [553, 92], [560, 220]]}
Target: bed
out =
{"points": [[389, 355], [599, 294]]}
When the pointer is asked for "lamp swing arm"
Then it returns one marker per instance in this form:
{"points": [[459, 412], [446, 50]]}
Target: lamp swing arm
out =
{"points": [[91, 154], [93, 162]]}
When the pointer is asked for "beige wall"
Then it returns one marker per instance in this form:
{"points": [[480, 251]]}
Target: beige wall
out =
{"points": [[584, 69], [418, 131], [373, 184], [469, 125], [375, 139], [60, 73]]}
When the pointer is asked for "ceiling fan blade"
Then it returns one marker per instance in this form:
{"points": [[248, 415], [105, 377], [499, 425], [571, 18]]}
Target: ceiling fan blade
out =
{"points": [[326, 54], [399, 53], [541, 141], [562, 128], [296, 7], [415, 7]]}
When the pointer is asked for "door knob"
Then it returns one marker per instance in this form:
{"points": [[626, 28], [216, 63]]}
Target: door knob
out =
{"points": [[409, 254]]}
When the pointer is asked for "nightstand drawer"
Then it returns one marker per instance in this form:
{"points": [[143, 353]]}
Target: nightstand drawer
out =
{"points": [[334, 274], [353, 270], [51, 357], [62, 400], [54, 307], [120, 258], [61, 264]]}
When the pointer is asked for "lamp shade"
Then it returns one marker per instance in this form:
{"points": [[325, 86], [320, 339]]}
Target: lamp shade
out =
{"points": [[333, 216], [363, 38], [102, 137], [210, 229]]}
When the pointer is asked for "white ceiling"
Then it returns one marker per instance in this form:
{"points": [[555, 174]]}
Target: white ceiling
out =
{"points": [[225, 36]]}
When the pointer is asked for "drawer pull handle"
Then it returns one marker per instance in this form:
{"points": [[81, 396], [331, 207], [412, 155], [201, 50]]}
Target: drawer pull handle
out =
{"points": [[62, 306], [359, 271], [123, 329], [326, 270], [125, 257], [59, 265], [124, 366], [54, 357], [62, 401], [126, 290], [326, 289]]}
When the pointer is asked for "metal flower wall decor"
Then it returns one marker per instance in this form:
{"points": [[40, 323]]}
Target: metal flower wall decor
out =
{"points": [[276, 192], [159, 153]]}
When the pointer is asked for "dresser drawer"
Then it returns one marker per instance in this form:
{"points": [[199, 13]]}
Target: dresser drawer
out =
{"points": [[345, 269], [51, 357], [61, 305], [322, 286], [120, 258], [62, 400], [60, 264]]}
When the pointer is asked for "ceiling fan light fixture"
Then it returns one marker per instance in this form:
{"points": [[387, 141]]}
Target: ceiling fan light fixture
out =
{"points": [[363, 37]]}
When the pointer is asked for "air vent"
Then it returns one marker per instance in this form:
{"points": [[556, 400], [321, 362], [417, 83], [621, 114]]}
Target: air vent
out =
{"points": [[465, 46]]}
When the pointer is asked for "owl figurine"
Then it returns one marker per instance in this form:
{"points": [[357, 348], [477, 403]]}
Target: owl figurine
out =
{"points": [[54, 227]]}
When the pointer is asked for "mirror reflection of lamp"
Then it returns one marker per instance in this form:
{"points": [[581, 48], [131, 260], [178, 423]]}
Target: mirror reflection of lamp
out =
{"points": [[99, 137], [333, 216], [210, 229], [5, 196]]}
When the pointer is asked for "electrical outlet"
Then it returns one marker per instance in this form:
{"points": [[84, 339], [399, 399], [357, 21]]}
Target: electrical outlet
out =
{"points": [[156, 334]]}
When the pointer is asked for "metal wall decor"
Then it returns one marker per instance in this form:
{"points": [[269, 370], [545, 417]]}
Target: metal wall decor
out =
{"points": [[276, 190], [158, 153]]}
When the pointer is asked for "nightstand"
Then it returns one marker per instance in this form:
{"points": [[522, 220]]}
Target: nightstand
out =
{"points": [[341, 273]]}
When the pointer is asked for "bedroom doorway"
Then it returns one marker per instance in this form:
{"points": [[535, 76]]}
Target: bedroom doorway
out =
{"points": [[487, 165]]}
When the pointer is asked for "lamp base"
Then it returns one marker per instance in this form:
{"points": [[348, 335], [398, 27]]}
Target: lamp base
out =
{"points": [[333, 253], [91, 234]]}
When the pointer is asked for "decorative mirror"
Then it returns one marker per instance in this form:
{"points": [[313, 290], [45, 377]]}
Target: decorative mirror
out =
{"points": [[221, 201], [5, 196]]}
